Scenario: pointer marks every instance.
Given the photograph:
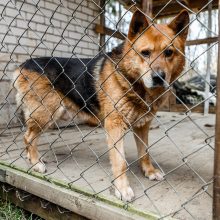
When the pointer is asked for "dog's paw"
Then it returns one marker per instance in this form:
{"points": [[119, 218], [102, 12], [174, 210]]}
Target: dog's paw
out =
{"points": [[28, 156], [126, 194], [39, 167], [155, 175]]}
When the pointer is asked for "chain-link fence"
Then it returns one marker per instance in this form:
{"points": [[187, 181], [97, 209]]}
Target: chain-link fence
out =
{"points": [[62, 70]]}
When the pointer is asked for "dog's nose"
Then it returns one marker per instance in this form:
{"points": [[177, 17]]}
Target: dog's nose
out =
{"points": [[158, 78]]}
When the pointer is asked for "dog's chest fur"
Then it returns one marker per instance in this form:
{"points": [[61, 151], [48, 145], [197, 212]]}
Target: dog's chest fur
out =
{"points": [[126, 97], [138, 112], [134, 116]]}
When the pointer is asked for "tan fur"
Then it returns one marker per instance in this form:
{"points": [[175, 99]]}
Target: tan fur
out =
{"points": [[42, 106], [123, 106]]}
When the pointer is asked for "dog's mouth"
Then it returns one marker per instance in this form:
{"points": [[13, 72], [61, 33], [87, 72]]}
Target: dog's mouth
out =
{"points": [[159, 79], [156, 79], [164, 85], [152, 83], [160, 84]]}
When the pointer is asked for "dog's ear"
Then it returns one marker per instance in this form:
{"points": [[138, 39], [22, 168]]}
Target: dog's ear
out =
{"points": [[180, 24], [138, 24]]}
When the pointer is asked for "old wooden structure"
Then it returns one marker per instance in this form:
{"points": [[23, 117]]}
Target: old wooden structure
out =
{"points": [[162, 9]]}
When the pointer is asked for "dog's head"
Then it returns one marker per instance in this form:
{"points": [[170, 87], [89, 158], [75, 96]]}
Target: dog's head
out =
{"points": [[154, 53]]}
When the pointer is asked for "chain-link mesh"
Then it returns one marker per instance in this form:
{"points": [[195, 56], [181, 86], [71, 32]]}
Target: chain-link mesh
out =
{"points": [[181, 144]]}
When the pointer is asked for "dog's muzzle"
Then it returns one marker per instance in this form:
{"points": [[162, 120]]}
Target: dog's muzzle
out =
{"points": [[158, 79], [155, 79]]}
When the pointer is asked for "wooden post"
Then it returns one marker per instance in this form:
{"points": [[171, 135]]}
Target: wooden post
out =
{"points": [[147, 7], [216, 187], [33, 204]]}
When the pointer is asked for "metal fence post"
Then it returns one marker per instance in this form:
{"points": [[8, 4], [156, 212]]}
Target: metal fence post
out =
{"points": [[216, 188], [209, 54], [102, 23]]}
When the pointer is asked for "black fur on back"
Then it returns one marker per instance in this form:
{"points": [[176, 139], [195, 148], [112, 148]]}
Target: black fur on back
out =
{"points": [[73, 77]]}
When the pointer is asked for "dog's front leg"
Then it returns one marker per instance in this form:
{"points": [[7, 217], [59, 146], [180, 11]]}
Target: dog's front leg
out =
{"points": [[115, 134], [141, 138]]}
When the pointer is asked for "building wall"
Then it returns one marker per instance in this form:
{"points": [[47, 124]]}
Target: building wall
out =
{"points": [[49, 28]]}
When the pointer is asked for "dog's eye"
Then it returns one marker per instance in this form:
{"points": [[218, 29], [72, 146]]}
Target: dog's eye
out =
{"points": [[145, 53], [168, 53]]}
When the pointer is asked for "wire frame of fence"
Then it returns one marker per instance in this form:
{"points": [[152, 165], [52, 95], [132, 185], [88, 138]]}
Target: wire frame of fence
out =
{"points": [[74, 75]]}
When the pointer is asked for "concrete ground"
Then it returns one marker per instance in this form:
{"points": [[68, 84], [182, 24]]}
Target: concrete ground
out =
{"points": [[181, 146]]}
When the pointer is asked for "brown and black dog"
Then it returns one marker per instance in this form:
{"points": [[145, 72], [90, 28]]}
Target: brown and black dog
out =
{"points": [[122, 89]]}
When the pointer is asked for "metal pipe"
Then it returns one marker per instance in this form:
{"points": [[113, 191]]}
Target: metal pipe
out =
{"points": [[102, 23], [208, 69], [216, 184]]}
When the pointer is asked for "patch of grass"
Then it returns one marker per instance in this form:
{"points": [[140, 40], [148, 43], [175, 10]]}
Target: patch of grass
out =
{"points": [[8, 211]]}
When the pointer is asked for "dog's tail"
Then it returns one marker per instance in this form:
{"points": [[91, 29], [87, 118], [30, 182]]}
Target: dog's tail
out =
{"points": [[15, 77], [18, 96]]}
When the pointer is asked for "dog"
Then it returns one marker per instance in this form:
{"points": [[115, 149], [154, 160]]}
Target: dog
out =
{"points": [[122, 89]]}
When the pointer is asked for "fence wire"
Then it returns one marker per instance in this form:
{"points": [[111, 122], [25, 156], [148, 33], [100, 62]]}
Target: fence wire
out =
{"points": [[181, 143]]}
